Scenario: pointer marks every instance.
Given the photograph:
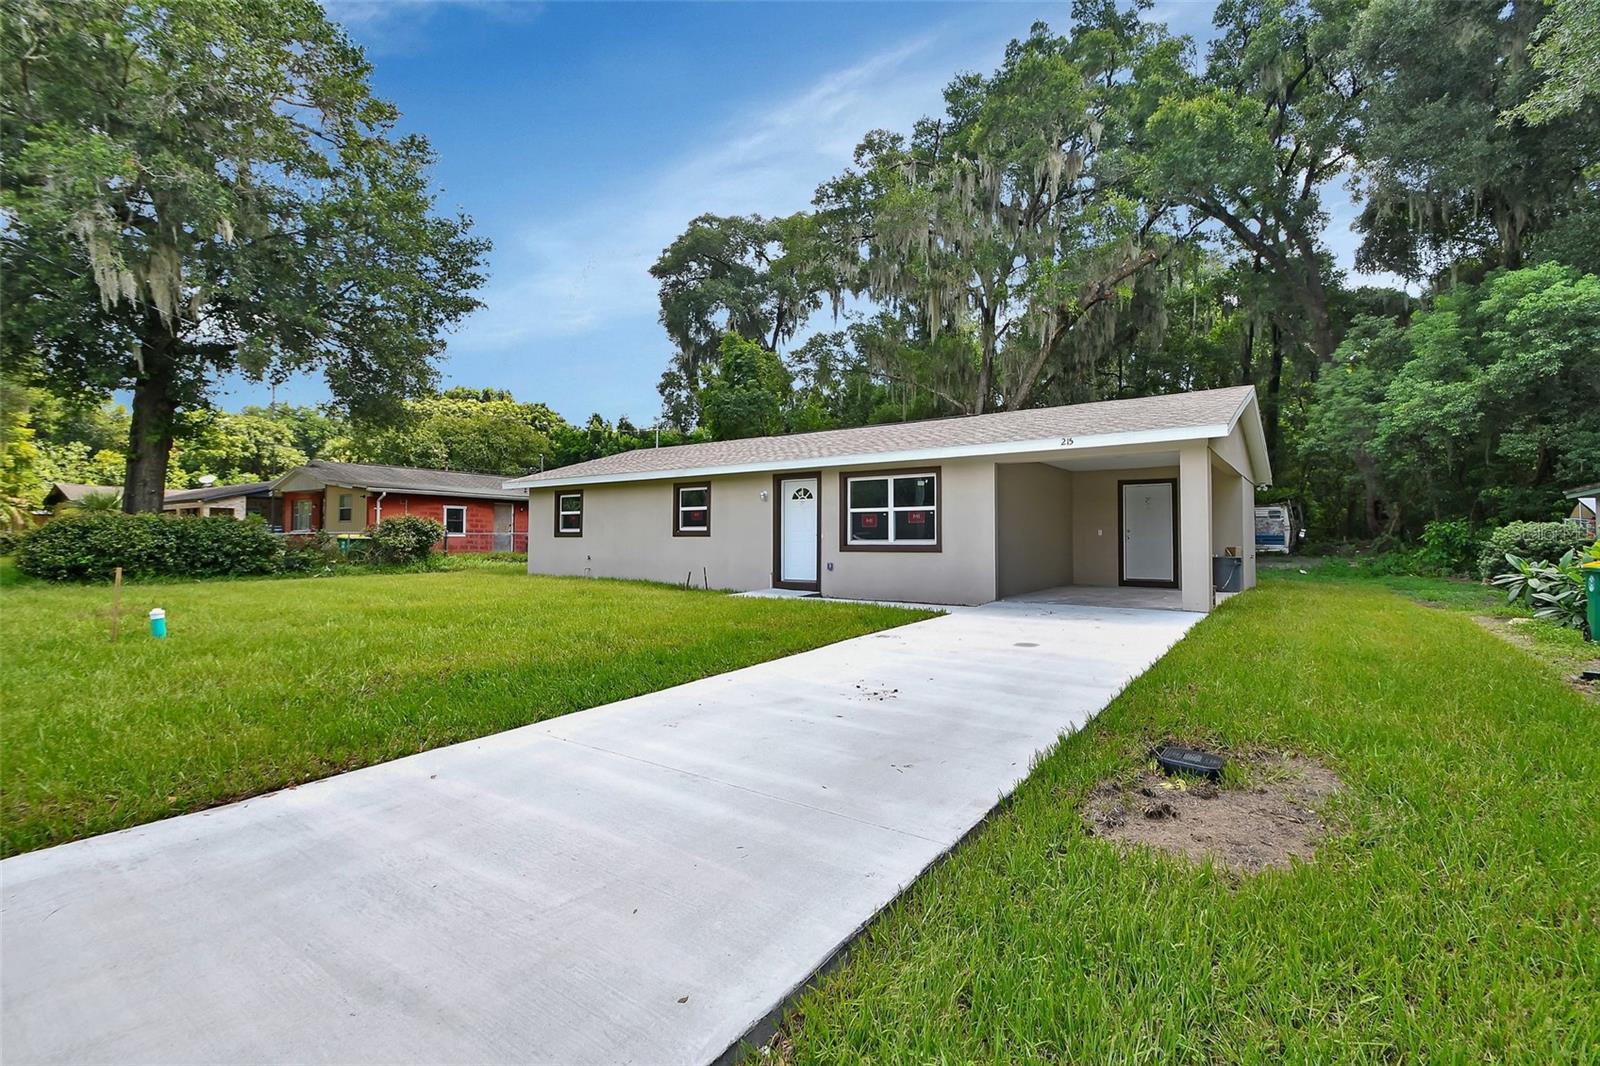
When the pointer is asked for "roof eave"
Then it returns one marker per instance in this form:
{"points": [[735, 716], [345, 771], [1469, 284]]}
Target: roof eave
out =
{"points": [[916, 455]]}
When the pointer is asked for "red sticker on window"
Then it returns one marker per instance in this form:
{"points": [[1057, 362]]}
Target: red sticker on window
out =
{"points": [[869, 521], [916, 518]]}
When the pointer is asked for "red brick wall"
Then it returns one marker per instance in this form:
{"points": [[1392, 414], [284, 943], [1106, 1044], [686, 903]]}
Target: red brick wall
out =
{"points": [[289, 499], [480, 519]]}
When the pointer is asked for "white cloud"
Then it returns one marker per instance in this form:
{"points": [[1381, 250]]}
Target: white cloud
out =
{"points": [[570, 273]]}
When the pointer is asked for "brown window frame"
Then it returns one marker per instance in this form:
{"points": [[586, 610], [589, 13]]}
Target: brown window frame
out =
{"points": [[846, 476], [677, 509], [560, 495]]}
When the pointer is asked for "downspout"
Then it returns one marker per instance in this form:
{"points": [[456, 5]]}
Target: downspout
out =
{"points": [[377, 507]]}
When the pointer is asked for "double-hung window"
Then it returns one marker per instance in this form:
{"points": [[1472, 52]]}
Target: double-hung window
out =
{"points": [[569, 514], [455, 521], [891, 511], [691, 510], [301, 517], [346, 506]]}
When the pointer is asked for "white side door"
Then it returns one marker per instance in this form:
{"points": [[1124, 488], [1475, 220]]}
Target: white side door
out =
{"points": [[798, 513], [1149, 537]]}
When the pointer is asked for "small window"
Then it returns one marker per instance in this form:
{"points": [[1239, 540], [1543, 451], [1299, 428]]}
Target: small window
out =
{"points": [[569, 514], [890, 511], [691, 510], [301, 517], [346, 507], [455, 521]]}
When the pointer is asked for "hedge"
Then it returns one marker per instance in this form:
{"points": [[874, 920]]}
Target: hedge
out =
{"points": [[1534, 541], [90, 546]]}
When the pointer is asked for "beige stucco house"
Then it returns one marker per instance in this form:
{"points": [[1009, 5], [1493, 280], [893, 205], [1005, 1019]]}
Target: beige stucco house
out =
{"points": [[1125, 498]]}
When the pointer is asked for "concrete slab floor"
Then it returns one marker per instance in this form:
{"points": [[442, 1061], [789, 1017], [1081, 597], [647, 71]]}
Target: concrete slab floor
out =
{"points": [[641, 882]]}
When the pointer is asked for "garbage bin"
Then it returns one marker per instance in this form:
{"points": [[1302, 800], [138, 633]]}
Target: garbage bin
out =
{"points": [[1227, 573], [1591, 590]]}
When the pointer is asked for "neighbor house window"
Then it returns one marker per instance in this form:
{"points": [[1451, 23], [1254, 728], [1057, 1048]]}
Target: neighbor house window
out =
{"points": [[455, 521], [346, 507], [569, 514], [891, 511], [691, 510], [301, 516]]}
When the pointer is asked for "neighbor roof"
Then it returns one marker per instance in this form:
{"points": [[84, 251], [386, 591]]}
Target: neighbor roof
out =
{"points": [[1183, 416], [1584, 490], [72, 492], [404, 479], [217, 492]]}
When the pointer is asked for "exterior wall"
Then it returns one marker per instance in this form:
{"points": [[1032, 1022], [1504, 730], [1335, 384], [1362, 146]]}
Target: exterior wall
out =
{"points": [[961, 572], [289, 499], [627, 533], [1033, 527], [479, 536], [1095, 529], [358, 510]]}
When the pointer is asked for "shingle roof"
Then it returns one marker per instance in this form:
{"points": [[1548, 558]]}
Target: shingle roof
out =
{"points": [[1153, 415], [409, 479], [73, 492], [217, 492]]}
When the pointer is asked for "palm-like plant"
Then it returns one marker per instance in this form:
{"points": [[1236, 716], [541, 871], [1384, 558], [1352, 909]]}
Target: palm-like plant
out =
{"points": [[94, 503]]}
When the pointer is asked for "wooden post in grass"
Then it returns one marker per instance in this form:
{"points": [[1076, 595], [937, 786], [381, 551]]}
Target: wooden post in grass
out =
{"points": [[116, 603]]}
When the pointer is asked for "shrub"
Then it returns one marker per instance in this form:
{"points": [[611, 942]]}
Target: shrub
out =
{"points": [[92, 545], [1528, 540], [11, 540], [404, 540], [303, 553], [1450, 547], [1554, 590]]}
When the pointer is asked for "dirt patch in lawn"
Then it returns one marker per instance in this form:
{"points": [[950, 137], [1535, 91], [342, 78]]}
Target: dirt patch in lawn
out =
{"points": [[1263, 815]]}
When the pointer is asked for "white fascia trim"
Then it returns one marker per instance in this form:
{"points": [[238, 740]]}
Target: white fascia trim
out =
{"points": [[919, 455]]}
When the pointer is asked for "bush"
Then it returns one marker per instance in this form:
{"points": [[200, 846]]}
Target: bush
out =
{"points": [[87, 546], [1449, 547], [303, 553], [1538, 541], [1556, 591], [404, 540], [11, 540]]}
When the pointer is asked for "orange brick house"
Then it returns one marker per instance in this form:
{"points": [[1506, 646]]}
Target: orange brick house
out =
{"points": [[477, 512]]}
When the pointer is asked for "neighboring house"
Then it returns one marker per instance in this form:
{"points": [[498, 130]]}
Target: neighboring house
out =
{"points": [[1125, 494], [70, 492], [1586, 507], [253, 497], [478, 513]]}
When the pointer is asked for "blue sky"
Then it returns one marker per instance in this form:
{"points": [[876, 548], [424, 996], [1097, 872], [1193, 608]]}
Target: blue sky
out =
{"points": [[583, 137]]}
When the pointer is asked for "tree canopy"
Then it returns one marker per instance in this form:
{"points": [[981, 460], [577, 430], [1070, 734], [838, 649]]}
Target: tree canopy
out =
{"points": [[203, 187]]}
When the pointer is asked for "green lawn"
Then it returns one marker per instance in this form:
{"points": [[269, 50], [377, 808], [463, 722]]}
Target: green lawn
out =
{"points": [[1453, 915], [269, 682]]}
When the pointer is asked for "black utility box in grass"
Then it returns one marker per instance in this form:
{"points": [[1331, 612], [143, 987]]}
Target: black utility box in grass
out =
{"points": [[1176, 760]]}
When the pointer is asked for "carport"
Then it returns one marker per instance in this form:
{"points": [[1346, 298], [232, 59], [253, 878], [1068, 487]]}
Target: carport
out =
{"points": [[1130, 527]]}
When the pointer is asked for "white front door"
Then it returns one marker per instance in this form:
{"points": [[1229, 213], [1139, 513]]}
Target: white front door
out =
{"points": [[1149, 537], [797, 539]]}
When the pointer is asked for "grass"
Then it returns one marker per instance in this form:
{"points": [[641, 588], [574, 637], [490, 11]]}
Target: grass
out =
{"points": [[269, 682], [1452, 915]]}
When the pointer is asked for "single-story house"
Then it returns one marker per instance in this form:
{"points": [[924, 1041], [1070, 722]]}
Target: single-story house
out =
{"points": [[1121, 501], [1586, 507], [478, 512], [248, 498], [71, 492]]}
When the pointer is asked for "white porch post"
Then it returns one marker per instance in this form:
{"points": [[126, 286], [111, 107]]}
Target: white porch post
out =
{"points": [[1194, 525], [1248, 524]]}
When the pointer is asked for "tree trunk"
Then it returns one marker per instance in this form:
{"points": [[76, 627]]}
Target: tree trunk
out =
{"points": [[1274, 404], [986, 370], [150, 437], [1368, 468]]}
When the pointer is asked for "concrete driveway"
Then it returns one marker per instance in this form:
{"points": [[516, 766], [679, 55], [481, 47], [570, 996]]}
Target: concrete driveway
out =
{"points": [[641, 882]]}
